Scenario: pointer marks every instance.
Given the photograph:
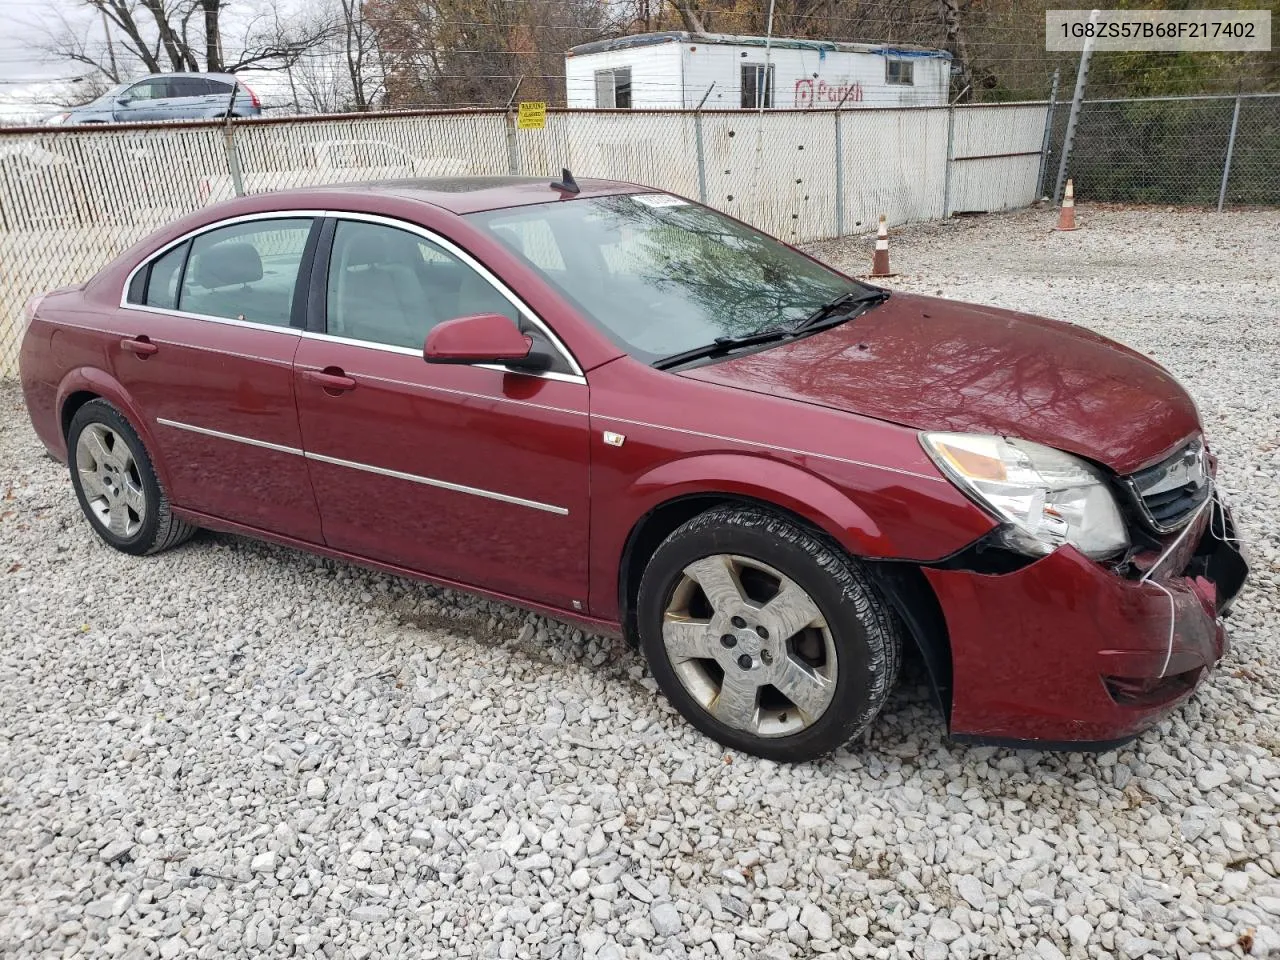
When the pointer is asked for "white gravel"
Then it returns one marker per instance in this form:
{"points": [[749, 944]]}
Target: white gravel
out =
{"points": [[238, 750]]}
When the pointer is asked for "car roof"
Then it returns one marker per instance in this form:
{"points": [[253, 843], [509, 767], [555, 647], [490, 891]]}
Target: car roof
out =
{"points": [[473, 194], [228, 77]]}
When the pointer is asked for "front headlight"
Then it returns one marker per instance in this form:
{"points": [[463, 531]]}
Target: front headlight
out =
{"points": [[1046, 496]]}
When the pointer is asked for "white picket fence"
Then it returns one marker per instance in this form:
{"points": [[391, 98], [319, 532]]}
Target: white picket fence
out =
{"points": [[72, 199]]}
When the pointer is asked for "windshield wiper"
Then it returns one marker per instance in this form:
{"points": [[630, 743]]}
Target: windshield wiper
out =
{"points": [[840, 309], [836, 311], [722, 345]]}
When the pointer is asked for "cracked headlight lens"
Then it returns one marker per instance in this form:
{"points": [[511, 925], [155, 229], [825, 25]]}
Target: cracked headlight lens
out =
{"points": [[1047, 497]]}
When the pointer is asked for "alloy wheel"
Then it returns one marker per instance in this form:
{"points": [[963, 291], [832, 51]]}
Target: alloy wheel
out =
{"points": [[110, 479], [750, 645]]}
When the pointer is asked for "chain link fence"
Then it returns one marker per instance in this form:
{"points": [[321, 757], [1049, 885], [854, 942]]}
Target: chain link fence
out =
{"points": [[72, 199], [1177, 150]]}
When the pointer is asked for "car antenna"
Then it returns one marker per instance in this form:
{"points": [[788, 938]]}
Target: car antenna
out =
{"points": [[567, 184]]}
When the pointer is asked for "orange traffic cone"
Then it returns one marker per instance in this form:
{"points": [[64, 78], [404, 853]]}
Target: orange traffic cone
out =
{"points": [[1067, 213], [880, 260]]}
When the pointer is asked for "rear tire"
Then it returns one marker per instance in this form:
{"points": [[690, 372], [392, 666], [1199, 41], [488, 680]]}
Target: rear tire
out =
{"points": [[766, 636], [117, 485]]}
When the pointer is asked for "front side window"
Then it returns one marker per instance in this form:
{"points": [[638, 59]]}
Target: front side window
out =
{"points": [[247, 271], [899, 72], [156, 89], [757, 85], [613, 88], [391, 286], [660, 275]]}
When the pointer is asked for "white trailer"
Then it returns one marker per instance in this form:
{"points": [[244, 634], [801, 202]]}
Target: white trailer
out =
{"points": [[675, 70]]}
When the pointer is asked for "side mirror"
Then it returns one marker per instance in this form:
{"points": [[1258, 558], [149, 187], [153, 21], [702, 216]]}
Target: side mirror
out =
{"points": [[483, 338], [124, 101]]}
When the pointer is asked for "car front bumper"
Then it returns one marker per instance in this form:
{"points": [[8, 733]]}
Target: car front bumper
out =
{"points": [[1066, 653]]}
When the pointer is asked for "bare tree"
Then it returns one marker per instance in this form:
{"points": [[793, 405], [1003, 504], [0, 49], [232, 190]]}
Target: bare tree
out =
{"points": [[345, 72], [954, 25], [185, 35], [689, 15], [360, 53]]}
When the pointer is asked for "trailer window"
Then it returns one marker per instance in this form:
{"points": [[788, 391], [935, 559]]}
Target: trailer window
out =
{"points": [[899, 71], [613, 89], [757, 86]]}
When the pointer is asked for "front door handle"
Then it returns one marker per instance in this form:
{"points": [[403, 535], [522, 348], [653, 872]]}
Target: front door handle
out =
{"points": [[332, 379], [139, 346]]}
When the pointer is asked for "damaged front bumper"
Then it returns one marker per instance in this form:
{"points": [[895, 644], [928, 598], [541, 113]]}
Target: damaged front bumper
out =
{"points": [[1067, 653]]}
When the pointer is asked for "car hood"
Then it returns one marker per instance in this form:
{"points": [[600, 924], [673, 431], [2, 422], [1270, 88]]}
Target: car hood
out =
{"points": [[934, 364]]}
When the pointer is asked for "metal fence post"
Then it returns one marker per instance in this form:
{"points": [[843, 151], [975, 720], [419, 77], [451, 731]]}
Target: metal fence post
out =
{"points": [[946, 170], [946, 167], [1074, 115], [1048, 133], [229, 146], [840, 164], [1231, 145], [697, 144], [513, 147]]}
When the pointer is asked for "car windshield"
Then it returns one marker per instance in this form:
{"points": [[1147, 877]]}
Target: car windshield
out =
{"points": [[661, 275]]}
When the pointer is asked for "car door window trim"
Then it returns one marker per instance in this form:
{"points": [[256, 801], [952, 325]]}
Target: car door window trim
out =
{"points": [[485, 274], [525, 310], [368, 468]]}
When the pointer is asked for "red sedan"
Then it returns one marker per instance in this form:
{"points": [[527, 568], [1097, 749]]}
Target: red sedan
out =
{"points": [[619, 407]]}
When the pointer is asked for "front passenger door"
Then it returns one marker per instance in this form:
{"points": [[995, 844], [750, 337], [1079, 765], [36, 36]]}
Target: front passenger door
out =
{"points": [[468, 473], [142, 101]]}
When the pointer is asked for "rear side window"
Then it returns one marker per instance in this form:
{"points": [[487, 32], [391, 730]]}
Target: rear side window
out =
{"points": [[188, 87], [162, 281], [248, 271], [156, 284]]}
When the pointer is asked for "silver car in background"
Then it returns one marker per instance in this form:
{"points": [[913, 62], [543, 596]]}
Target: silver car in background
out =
{"points": [[167, 96]]}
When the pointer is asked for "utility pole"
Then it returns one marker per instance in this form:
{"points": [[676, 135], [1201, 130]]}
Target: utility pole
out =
{"points": [[111, 46], [1074, 116]]}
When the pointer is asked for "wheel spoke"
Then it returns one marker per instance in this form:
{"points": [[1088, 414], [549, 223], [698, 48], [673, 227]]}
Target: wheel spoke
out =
{"points": [[134, 497], [738, 703], [91, 483], [687, 639], [118, 517], [790, 611], [93, 440], [718, 580], [799, 684]]}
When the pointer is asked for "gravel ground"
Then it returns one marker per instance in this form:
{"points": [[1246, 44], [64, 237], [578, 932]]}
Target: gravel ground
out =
{"points": [[234, 749]]}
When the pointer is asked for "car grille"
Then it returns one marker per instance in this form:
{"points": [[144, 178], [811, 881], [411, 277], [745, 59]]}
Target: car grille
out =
{"points": [[1169, 494]]}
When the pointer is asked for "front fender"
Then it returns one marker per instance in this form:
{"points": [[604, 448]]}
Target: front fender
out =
{"points": [[761, 478], [97, 381]]}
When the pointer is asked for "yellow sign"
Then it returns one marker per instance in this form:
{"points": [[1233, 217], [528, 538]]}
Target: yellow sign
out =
{"points": [[533, 115]]}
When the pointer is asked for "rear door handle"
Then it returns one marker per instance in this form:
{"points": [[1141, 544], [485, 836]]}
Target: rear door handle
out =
{"points": [[139, 346], [332, 379]]}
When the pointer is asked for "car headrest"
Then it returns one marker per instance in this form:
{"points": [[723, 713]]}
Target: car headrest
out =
{"points": [[228, 263], [366, 248]]}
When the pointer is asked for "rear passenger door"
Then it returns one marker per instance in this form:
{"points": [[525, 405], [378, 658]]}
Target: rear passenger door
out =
{"points": [[210, 329], [475, 474]]}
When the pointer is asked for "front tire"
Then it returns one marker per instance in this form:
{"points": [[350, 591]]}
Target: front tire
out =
{"points": [[117, 485], [765, 636]]}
